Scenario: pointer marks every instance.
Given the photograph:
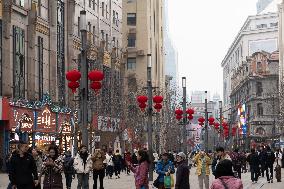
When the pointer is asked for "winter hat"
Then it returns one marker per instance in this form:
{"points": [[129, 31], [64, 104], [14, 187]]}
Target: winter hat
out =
{"points": [[182, 155]]}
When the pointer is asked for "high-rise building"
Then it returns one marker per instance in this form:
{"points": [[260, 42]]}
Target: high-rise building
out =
{"points": [[262, 4], [199, 96], [171, 55], [142, 35]]}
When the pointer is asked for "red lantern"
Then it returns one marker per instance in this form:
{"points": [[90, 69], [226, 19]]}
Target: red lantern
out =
{"points": [[96, 85], [190, 117], [201, 119], [142, 99], [178, 117], [158, 107], [211, 120], [73, 75], [190, 111], [216, 125], [178, 112], [224, 124], [96, 75], [73, 85], [142, 106], [158, 99]]}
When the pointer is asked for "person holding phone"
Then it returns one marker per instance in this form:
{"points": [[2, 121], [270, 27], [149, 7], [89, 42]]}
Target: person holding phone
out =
{"points": [[141, 171]]}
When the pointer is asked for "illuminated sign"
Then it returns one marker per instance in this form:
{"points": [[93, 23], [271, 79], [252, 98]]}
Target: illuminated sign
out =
{"points": [[242, 119], [46, 120]]}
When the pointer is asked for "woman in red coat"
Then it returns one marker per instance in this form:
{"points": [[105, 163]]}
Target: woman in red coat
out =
{"points": [[141, 171]]}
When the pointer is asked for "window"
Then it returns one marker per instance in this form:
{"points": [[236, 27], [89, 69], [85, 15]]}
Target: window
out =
{"points": [[131, 63], [94, 34], [20, 2], [274, 24], [113, 17], [39, 8], [259, 109], [40, 67], [259, 67], [259, 88], [18, 62], [90, 3], [261, 26], [89, 27], [131, 39], [103, 35], [79, 34], [94, 5], [117, 19], [106, 12], [103, 9], [61, 52], [106, 41], [131, 19]]}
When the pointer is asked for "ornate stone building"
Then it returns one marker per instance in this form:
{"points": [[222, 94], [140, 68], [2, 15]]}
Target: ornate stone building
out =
{"points": [[255, 92]]}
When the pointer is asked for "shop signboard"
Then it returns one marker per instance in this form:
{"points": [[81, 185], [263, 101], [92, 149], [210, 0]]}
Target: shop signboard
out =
{"points": [[46, 121], [64, 123], [21, 119]]}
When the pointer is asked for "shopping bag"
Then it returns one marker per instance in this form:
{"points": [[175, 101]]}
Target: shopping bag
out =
{"points": [[167, 182], [172, 181]]}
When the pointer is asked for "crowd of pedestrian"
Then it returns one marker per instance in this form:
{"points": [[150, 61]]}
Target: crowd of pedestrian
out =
{"points": [[26, 167]]}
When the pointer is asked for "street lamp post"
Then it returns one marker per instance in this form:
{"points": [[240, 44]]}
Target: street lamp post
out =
{"points": [[150, 111], [184, 115], [221, 127], [84, 80], [206, 124]]}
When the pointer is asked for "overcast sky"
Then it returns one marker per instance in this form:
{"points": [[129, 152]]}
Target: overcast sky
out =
{"points": [[202, 31]]}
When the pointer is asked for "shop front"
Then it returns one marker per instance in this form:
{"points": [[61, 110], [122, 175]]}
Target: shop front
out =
{"points": [[39, 124]]}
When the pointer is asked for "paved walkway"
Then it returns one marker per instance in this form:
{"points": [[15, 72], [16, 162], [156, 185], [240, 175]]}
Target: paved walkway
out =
{"points": [[127, 182]]}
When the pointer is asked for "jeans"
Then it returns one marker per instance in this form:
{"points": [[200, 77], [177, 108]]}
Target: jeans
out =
{"points": [[117, 169], [83, 180], [101, 175], [269, 168], [68, 178], [203, 179], [9, 185], [254, 174]]}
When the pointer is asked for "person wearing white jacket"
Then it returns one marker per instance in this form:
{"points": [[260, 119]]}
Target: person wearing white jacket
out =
{"points": [[83, 166]]}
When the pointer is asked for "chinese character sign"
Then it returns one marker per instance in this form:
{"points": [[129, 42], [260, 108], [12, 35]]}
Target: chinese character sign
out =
{"points": [[21, 119], [46, 120]]}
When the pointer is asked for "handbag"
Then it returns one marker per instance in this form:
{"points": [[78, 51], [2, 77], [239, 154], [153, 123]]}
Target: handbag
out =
{"points": [[167, 182]]}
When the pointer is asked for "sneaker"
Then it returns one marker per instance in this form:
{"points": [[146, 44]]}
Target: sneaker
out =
{"points": [[271, 181], [268, 181]]}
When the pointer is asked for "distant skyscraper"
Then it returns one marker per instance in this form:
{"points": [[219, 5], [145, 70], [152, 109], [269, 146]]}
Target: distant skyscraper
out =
{"points": [[171, 59], [199, 97], [262, 4]]}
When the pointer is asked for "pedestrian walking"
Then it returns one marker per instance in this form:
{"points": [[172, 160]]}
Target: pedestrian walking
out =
{"points": [[164, 167], [141, 171], [254, 162], [68, 168], [182, 174], [117, 162], [98, 168], [127, 157], [83, 167], [225, 177], [52, 169], [109, 167], [269, 161], [262, 159], [222, 154], [278, 156], [39, 163], [203, 162], [237, 162], [23, 171]]}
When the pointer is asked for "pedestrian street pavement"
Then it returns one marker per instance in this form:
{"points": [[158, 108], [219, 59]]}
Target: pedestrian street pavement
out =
{"points": [[127, 182]]}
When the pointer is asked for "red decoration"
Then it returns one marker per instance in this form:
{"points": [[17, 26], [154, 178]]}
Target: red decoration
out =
{"points": [[190, 111], [178, 117], [201, 123], [201, 119], [158, 107], [190, 117], [211, 120], [178, 112], [96, 85], [142, 106], [73, 75], [142, 99], [158, 99], [96, 75], [73, 85]]}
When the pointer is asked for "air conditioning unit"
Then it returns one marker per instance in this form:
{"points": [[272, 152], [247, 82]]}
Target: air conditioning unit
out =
{"points": [[140, 53], [132, 30]]}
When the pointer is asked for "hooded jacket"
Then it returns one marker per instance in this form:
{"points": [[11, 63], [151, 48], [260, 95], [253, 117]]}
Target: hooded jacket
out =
{"points": [[230, 181]]}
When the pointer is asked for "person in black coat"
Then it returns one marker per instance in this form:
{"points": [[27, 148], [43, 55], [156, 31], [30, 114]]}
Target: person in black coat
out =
{"points": [[269, 161], [253, 160], [262, 158], [182, 175], [23, 172]]}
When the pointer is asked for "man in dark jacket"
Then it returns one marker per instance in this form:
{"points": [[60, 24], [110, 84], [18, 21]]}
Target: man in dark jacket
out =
{"points": [[117, 162], [269, 161], [23, 172], [262, 158], [68, 168], [182, 175], [253, 160]]}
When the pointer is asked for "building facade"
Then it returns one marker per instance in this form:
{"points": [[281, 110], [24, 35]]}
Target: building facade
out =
{"points": [[42, 42], [258, 33], [255, 93], [142, 35]]}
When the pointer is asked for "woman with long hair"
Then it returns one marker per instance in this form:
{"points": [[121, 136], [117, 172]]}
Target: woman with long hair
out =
{"points": [[141, 171], [52, 169]]}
